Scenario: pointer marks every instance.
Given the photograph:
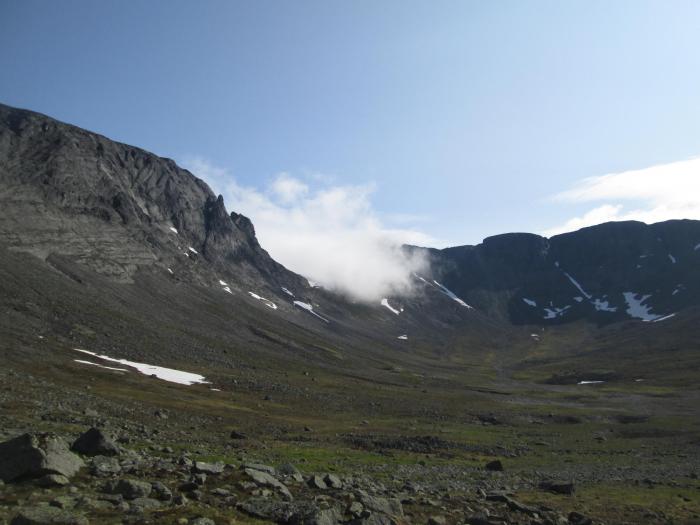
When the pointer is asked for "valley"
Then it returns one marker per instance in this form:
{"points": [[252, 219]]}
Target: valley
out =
{"points": [[275, 401]]}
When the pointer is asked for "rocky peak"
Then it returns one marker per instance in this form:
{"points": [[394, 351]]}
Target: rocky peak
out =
{"points": [[117, 208]]}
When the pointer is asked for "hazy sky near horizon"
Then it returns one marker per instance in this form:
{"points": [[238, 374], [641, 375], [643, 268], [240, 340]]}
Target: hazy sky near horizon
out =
{"points": [[435, 122]]}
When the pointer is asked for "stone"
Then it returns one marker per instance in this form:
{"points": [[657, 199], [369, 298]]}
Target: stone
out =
{"points": [[36, 455], [333, 481], [161, 491], [141, 505], [201, 467], [480, 518], [63, 502], [52, 480], [222, 493], [576, 518], [104, 466], [437, 520], [289, 470], [356, 509], [180, 500], [316, 482], [266, 480], [47, 515], [559, 487], [237, 435], [96, 442], [202, 521], [129, 488], [494, 466], [268, 509], [390, 506], [262, 468]]}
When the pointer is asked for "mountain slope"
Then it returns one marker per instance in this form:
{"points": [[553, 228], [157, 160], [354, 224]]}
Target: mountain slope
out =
{"points": [[606, 273], [117, 208]]}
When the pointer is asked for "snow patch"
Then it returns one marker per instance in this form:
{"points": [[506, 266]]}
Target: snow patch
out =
{"points": [[554, 312], [577, 285], [192, 250], [170, 271], [664, 318], [419, 277], [166, 374], [636, 307], [227, 289], [403, 337], [589, 382], [222, 283], [287, 291], [101, 366], [173, 230], [385, 302], [578, 299], [603, 306], [672, 258], [529, 301], [310, 309], [267, 302], [452, 296]]}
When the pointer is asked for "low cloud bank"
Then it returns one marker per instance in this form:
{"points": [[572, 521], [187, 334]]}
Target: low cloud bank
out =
{"points": [[653, 194], [328, 233]]}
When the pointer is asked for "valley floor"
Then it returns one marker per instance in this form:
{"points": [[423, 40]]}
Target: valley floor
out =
{"points": [[404, 448]]}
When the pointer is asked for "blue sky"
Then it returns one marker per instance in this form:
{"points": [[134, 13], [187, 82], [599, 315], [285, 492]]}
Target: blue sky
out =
{"points": [[456, 120]]}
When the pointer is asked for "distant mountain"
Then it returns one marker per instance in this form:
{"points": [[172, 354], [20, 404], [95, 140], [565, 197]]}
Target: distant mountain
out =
{"points": [[606, 273], [69, 196]]}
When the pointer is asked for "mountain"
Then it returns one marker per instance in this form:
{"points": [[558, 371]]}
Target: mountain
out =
{"points": [[116, 208], [611, 272], [517, 372]]}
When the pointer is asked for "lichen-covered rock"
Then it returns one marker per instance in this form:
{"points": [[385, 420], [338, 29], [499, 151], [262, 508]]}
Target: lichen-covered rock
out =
{"points": [[35, 456]]}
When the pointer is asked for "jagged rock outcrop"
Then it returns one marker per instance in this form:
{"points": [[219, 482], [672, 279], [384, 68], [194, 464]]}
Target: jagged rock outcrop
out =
{"points": [[68, 192]]}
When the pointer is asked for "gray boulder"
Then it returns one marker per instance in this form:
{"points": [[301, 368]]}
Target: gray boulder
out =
{"points": [[96, 442], [141, 505], [36, 455], [47, 516], [316, 482], [390, 506], [129, 488], [262, 468], [161, 491], [201, 467], [266, 480], [333, 481], [103, 466]]}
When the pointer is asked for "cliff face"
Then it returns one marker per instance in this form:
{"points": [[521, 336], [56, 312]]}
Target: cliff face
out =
{"points": [[117, 208], [605, 273]]}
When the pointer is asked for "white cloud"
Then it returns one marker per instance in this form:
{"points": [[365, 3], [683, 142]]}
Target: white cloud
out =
{"points": [[288, 189], [329, 234], [653, 194]]}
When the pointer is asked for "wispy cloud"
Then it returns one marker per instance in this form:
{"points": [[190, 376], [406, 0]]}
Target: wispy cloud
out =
{"points": [[653, 194], [328, 233]]}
